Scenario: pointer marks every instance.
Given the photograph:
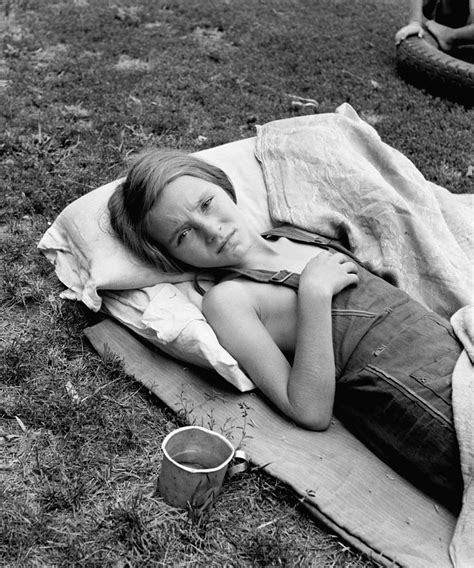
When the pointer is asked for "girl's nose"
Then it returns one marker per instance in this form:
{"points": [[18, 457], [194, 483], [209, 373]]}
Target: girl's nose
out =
{"points": [[212, 231]]}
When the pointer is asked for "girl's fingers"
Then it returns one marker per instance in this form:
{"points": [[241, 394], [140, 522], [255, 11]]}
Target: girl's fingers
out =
{"points": [[354, 278], [352, 267], [345, 261], [341, 258]]}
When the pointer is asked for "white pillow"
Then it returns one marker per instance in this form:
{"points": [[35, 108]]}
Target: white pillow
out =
{"points": [[89, 259], [166, 317]]}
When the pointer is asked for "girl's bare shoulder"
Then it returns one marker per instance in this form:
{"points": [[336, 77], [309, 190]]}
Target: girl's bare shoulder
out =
{"points": [[231, 293], [242, 294]]}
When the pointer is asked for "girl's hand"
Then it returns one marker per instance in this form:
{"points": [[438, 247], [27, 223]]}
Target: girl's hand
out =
{"points": [[413, 28], [328, 273]]}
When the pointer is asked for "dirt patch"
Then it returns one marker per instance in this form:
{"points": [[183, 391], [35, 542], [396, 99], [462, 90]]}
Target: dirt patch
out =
{"points": [[50, 54], [127, 64], [4, 234], [130, 15], [77, 111], [211, 39], [12, 30], [153, 25], [4, 84], [372, 117], [4, 81]]}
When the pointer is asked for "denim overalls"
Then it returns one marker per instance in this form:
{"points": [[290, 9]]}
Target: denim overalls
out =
{"points": [[394, 360]]}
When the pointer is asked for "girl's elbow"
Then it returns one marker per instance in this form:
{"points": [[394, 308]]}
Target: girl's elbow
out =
{"points": [[311, 414], [314, 423]]}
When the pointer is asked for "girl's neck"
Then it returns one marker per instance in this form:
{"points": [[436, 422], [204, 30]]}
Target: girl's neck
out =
{"points": [[279, 254], [263, 254], [269, 254]]}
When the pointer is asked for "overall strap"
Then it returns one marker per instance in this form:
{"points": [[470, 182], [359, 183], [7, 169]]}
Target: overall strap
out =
{"points": [[284, 277]]}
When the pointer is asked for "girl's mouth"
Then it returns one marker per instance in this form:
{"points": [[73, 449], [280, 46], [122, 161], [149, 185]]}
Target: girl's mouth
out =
{"points": [[225, 241]]}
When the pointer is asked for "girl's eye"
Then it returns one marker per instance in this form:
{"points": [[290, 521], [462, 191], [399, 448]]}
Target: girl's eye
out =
{"points": [[205, 204], [182, 236]]}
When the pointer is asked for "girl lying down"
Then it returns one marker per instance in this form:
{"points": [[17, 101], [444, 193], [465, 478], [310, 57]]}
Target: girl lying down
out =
{"points": [[312, 327]]}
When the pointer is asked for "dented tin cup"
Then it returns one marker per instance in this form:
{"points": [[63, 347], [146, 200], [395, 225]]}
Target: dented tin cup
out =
{"points": [[195, 461]]}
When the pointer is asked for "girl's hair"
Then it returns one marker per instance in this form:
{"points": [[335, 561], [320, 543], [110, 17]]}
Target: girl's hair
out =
{"points": [[129, 205]]}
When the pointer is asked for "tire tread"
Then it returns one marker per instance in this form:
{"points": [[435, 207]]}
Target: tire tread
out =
{"points": [[425, 66]]}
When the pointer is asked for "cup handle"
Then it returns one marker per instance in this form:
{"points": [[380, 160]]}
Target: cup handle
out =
{"points": [[240, 462]]}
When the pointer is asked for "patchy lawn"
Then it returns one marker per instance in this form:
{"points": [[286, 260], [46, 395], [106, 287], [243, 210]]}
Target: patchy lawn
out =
{"points": [[84, 83]]}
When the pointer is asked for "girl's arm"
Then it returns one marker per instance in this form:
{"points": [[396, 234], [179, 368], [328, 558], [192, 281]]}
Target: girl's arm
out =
{"points": [[415, 14], [415, 20], [304, 391], [312, 381]]}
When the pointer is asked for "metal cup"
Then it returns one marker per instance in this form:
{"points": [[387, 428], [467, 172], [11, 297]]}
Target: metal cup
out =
{"points": [[195, 461]]}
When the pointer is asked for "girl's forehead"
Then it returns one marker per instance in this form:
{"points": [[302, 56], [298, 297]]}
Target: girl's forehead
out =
{"points": [[185, 193], [175, 205], [189, 185], [180, 192]]}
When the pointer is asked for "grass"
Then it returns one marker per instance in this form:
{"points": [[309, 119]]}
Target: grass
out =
{"points": [[83, 84]]}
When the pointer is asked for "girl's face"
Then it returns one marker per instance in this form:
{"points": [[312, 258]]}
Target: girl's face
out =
{"points": [[197, 222]]}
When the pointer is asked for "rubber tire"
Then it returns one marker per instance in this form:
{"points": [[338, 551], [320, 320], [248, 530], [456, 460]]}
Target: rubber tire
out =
{"points": [[421, 63]]}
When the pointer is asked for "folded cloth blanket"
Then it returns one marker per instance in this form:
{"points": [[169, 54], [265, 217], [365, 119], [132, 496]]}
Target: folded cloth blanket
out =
{"points": [[462, 545], [332, 174], [405, 228]]}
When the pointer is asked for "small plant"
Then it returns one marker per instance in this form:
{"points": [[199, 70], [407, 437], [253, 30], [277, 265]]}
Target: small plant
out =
{"points": [[184, 414], [128, 523], [17, 362], [267, 548], [200, 506], [62, 495]]}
